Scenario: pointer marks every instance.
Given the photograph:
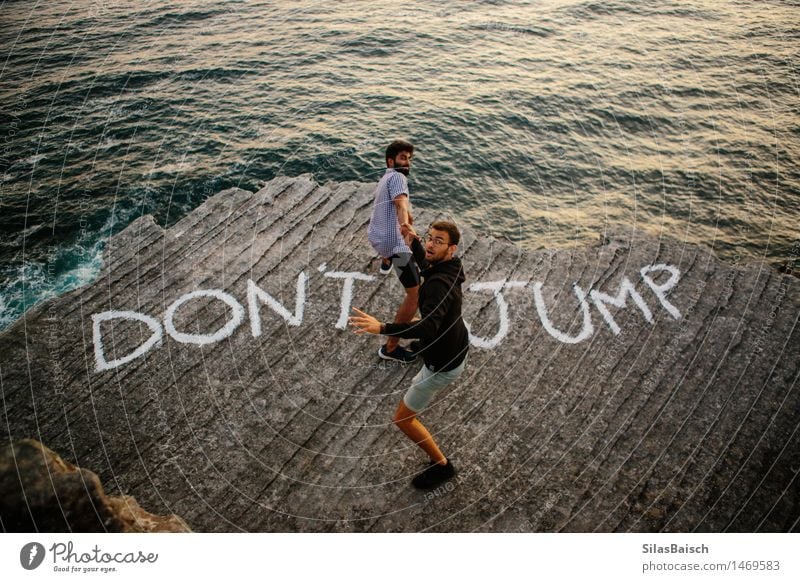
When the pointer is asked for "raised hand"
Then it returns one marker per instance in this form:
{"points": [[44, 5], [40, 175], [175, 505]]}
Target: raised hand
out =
{"points": [[364, 322]]}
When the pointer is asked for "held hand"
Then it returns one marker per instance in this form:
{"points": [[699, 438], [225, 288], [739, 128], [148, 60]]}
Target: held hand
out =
{"points": [[408, 233], [364, 323]]}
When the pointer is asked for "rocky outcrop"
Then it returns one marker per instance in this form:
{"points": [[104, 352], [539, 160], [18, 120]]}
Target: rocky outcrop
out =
{"points": [[44, 493], [637, 385]]}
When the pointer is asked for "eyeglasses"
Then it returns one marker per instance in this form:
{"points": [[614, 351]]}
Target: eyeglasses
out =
{"points": [[435, 240]]}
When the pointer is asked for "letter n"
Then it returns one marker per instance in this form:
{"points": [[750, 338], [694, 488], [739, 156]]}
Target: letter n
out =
{"points": [[256, 293]]}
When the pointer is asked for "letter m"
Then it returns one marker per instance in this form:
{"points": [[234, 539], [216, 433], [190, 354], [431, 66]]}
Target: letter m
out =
{"points": [[625, 290]]}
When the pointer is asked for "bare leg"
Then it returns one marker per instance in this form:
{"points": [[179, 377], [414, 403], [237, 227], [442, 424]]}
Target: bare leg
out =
{"points": [[407, 311], [406, 420]]}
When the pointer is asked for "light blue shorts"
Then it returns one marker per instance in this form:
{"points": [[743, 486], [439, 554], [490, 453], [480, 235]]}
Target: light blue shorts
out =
{"points": [[426, 384]]}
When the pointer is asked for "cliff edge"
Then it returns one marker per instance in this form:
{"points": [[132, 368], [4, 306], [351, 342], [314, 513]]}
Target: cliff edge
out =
{"points": [[637, 385]]}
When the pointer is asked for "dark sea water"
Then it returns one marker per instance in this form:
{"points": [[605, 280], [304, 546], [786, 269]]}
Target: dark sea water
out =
{"points": [[548, 122]]}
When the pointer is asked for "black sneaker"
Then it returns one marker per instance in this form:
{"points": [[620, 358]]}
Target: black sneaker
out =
{"points": [[386, 267], [398, 355], [434, 475]]}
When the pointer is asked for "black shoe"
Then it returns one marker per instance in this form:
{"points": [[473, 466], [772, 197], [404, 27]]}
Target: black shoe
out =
{"points": [[434, 475], [398, 355], [414, 347], [386, 268]]}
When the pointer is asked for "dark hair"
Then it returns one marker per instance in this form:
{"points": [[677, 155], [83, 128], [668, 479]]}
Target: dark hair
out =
{"points": [[450, 228], [396, 147]]}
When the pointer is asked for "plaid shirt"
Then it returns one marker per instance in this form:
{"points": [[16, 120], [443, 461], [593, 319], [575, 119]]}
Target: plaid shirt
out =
{"points": [[384, 229]]}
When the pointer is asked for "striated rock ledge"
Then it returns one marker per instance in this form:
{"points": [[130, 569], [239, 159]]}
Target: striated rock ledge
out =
{"points": [[206, 373]]}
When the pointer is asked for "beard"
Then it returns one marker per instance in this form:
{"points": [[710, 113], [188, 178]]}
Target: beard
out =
{"points": [[403, 170]]}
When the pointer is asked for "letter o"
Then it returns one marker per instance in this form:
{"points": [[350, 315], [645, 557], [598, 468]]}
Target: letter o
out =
{"points": [[204, 339]]}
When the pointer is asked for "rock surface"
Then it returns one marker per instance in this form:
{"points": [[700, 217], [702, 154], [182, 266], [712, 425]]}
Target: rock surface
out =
{"points": [[676, 413], [44, 493]]}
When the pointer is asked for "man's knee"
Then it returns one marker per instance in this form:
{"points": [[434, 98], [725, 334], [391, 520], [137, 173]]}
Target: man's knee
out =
{"points": [[403, 415]]}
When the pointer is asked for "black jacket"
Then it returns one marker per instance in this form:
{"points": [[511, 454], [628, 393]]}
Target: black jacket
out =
{"points": [[441, 331]]}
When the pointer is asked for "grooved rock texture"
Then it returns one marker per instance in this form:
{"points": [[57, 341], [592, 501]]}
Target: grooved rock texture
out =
{"points": [[206, 373], [44, 493]]}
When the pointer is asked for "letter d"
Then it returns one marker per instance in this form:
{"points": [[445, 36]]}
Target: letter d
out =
{"points": [[99, 352]]}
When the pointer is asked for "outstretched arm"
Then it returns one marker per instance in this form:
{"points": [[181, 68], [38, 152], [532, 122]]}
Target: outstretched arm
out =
{"points": [[403, 213]]}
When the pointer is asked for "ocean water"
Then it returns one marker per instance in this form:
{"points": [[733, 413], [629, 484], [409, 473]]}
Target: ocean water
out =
{"points": [[547, 122]]}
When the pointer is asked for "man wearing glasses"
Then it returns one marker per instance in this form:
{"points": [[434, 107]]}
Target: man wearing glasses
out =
{"points": [[442, 335]]}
